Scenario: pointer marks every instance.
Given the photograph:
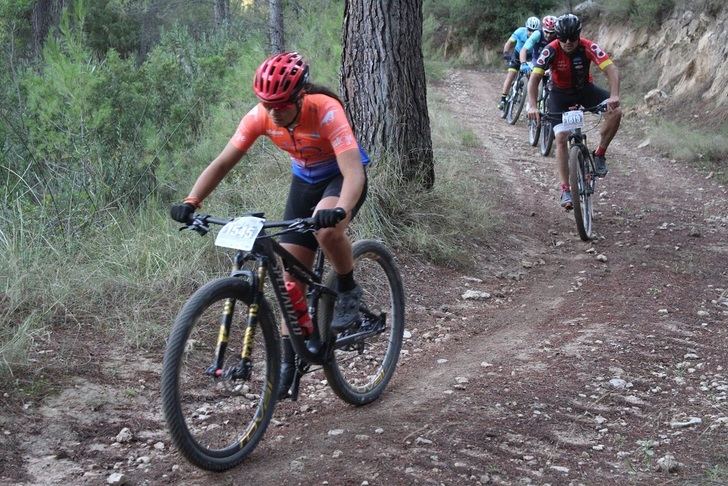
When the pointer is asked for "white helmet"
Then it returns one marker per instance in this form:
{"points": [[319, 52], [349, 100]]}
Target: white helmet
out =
{"points": [[533, 23]]}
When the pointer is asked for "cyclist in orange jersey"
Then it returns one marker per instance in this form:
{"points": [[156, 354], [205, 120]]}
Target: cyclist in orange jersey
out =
{"points": [[328, 181]]}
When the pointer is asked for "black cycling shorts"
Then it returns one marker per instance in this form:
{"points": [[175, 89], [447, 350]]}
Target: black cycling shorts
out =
{"points": [[560, 100], [515, 62], [303, 198]]}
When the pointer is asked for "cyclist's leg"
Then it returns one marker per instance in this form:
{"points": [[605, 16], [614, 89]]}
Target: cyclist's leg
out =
{"points": [[558, 102], [334, 241], [593, 95], [301, 202], [302, 199], [337, 247], [513, 66]]}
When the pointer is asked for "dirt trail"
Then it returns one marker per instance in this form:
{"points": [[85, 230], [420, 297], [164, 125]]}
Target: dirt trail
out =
{"points": [[578, 370]]}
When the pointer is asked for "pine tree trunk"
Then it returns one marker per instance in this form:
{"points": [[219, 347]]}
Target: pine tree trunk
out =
{"points": [[275, 26], [45, 15], [222, 13], [383, 84]]}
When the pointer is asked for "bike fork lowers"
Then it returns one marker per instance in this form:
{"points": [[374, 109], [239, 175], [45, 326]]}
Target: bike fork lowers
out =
{"points": [[244, 366]]}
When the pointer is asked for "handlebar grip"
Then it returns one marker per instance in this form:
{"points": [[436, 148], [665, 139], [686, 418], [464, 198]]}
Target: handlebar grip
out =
{"points": [[340, 213]]}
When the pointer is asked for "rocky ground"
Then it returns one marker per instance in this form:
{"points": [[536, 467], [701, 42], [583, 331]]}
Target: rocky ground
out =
{"points": [[574, 363]]}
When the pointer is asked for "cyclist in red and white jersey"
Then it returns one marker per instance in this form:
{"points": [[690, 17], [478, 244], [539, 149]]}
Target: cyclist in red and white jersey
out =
{"points": [[569, 57], [308, 122]]}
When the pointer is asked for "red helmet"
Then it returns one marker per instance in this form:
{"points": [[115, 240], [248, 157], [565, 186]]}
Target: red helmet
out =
{"points": [[280, 77], [548, 23]]}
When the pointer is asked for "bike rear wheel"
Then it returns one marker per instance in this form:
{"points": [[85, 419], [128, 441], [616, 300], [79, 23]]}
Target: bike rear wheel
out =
{"points": [[582, 186], [216, 421], [360, 371], [519, 99], [547, 137]]}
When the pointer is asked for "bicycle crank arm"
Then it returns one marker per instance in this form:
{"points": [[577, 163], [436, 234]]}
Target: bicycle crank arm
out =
{"points": [[367, 329]]}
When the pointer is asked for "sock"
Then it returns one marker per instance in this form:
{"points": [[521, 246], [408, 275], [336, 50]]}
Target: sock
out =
{"points": [[289, 356], [565, 187], [346, 282], [504, 96], [600, 151]]}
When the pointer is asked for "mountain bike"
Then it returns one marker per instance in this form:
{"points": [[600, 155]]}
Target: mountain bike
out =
{"points": [[534, 127], [222, 361], [516, 98], [582, 175]]}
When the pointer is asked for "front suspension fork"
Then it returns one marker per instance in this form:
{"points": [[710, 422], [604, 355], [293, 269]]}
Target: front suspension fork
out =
{"points": [[244, 366]]}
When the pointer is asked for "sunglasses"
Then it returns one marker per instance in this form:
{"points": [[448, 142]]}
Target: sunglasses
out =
{"points": [[573, 38], [283, 105]]}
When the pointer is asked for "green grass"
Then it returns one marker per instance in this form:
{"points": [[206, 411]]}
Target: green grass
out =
{"points": [[709, 149], [121, 273], [127, 276]]}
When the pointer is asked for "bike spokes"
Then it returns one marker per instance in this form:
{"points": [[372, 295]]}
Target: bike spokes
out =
{"points": [[365, 355], [218, 413]]}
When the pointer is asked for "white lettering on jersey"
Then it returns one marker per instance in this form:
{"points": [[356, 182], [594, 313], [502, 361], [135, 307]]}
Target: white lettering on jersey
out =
{"points": [[328, 118]]}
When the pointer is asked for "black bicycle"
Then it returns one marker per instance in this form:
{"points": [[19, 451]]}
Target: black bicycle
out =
{"points": [[535, 128], [222, 360], [516, 98], [582, 175]]}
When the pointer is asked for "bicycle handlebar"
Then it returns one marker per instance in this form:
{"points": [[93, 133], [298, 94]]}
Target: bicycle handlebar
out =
{"points": [[596, 109], [200, 223]]}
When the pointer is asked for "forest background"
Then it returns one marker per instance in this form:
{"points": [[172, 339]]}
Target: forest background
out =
{"points": [[110, 109]]}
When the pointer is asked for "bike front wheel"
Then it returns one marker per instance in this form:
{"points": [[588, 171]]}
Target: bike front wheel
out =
{"points": [[519, 99], [534, 131], [365, 356], [217, 418], [582, 187], [547, 137]]}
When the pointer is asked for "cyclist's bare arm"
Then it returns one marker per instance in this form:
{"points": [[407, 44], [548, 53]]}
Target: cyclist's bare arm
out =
{"points": [[508, 46], [350, 166], [532, 93], [612, 74], [523, 55], [216, 171]]}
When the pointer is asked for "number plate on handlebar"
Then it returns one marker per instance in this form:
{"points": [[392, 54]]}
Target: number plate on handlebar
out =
{"points": [[240, 233], [573, 119]]}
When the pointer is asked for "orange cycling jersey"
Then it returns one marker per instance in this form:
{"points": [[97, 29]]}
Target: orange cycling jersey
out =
{"points": [[321, 134]]}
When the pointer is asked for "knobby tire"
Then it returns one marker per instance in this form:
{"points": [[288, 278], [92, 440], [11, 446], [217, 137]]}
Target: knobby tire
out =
{"points": [[189, 357], [377, 273], [580, 192]]}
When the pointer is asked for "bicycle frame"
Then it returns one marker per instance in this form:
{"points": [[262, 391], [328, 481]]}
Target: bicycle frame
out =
{"points": [[271, 259]]}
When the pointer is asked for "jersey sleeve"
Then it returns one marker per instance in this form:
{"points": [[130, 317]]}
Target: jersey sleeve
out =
{"points": [[532, 40], [334, 127], [250, 128], [596, 54], [545, 58]]}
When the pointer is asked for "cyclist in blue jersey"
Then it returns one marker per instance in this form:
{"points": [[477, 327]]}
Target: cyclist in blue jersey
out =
{"points": [[537, 41], [511, 53]]}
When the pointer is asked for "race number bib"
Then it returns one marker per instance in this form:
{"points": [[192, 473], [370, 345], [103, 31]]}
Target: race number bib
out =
{"points": [[240, 233], [572, 120]]}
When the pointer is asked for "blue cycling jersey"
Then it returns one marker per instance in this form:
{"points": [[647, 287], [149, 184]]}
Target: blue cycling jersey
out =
{"points": [[519, 36], [536, 43]]}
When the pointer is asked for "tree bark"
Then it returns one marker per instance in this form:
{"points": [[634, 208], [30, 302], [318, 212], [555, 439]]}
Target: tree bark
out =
{"points": [[383, 84], [222, 13], [45, 15], [275, 26]]}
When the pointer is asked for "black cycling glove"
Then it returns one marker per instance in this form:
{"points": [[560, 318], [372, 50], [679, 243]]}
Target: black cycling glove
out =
{"points": [[328, 218], [182, 212]]}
